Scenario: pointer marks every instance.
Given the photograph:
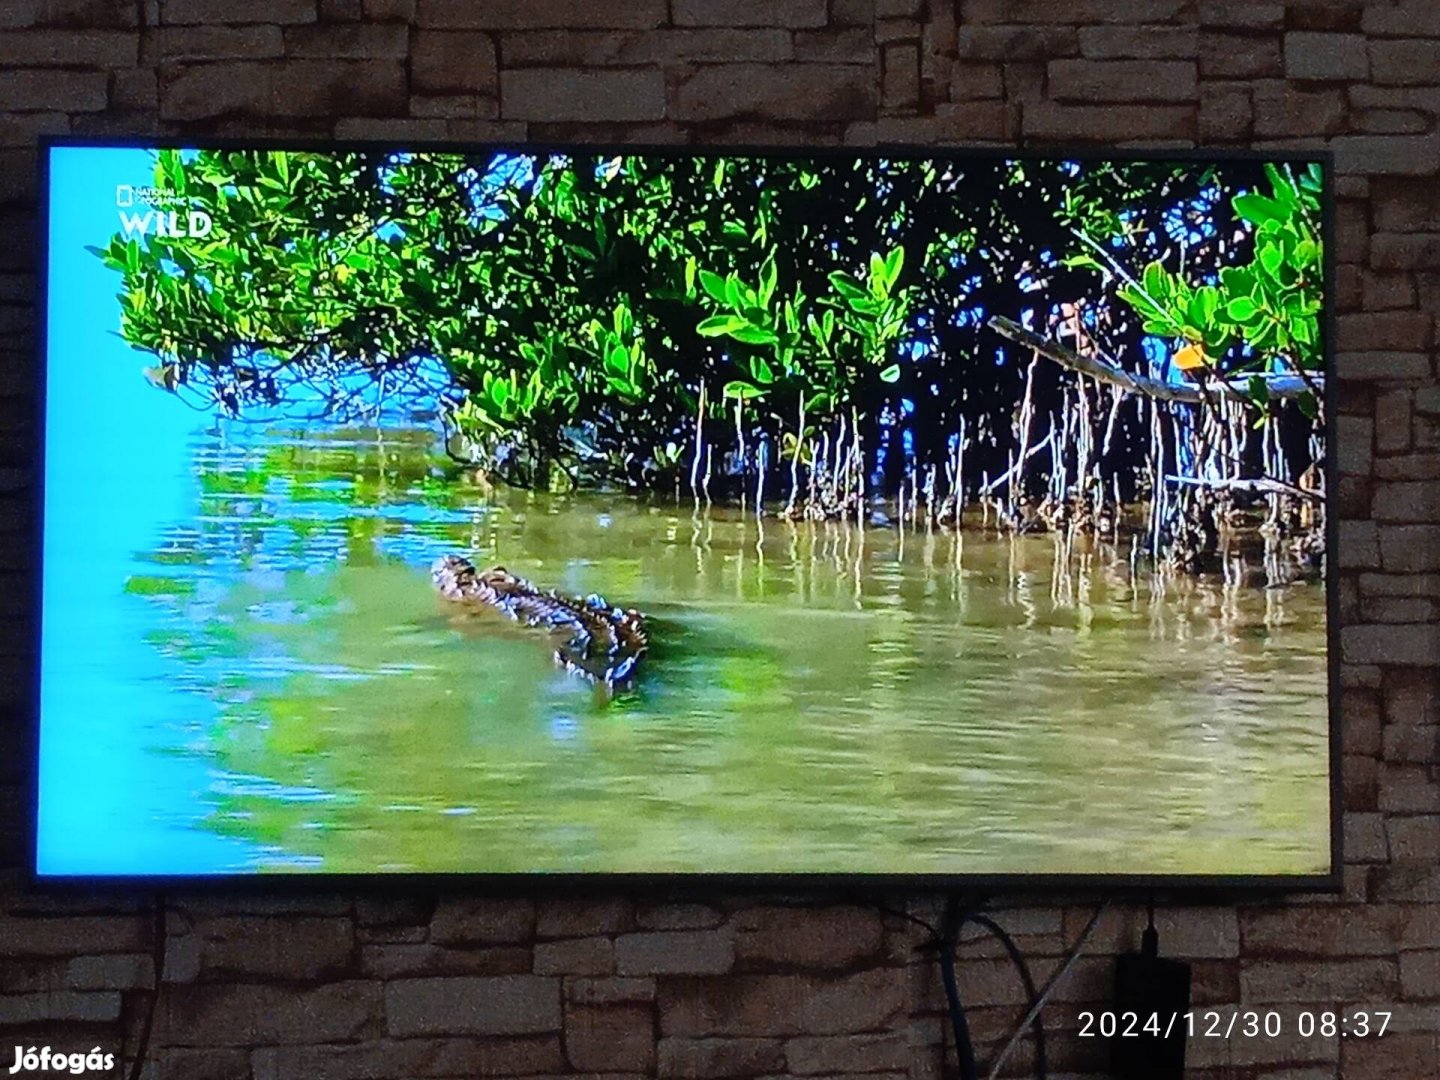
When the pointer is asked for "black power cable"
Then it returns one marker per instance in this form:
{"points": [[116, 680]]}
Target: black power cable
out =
{"points": [[946, 939], [1037, 1026], [949, 941], [157, 954]]}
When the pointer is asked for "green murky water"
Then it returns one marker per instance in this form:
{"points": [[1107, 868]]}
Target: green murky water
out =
{"points": [[819, 698]]}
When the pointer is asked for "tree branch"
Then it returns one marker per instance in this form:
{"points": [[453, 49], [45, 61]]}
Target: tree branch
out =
{"points": [[1279, 386], [1263, 485]]}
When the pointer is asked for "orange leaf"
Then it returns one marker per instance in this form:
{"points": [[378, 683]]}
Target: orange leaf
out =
{"points": [[1190, 357]]}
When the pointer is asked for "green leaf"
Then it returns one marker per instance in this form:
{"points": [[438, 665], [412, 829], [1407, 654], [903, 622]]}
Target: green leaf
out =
{"points": [[760, 371], [718, 325], [690, 276], [1155, 280], [754, 335], [741, 390], [846, 285], [1241, 309], [768, 274], [1258, 209], [1259, 391], [1271, 258], [1204, 304], [1304, 254], [1306, 401], [893, 262], [890, 374], [713, 284], [734, 292]]}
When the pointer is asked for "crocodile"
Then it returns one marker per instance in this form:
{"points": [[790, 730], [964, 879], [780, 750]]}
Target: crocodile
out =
{"points": [[597, 642]]}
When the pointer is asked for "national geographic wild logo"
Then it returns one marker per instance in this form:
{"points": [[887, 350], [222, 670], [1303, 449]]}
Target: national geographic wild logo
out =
{"points": [[149, 211]]}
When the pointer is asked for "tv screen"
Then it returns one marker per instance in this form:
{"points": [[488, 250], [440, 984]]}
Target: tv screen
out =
{"points": [[507, 510]]}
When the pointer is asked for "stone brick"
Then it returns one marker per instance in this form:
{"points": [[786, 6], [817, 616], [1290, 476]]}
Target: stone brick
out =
{"points": [[1080, 12], [1414, 839], [298, 947], [608, 991], [69, 935], [575, 956], [1325, 56], [1122, 80], [179, 44], [818, 938], [970, 80], [1390, 644], [677, 917], [1401, 19], [383, 1059], [781, 1004], [1250, 14], [354, 41], [117, 972], [1364, 836], [1400, 155], [1240, 56], [610, 1038], [1286, 112], [794, 92], [1327, 931], [386, 961], [390, 129], [900, 77], [1388, 291], [835, 45], [504, 1005], [550, 48], [69, 48], [1392, 421], [1405, 62], [67, 1006], [1012, 43], [1420, 975], [675, 952], [1356, 444], [24, 89], [1138, 42], [689, 1057], [386, 10], [482, 922], [792, 13], [582, 918], [240, 1014], [290, 89], [577, 94], [1109, 123], [206, 1064], [831, 1055], [1410, 789], [400, 910], [453, 60], [1386, 330], [1262, 982], [1405, 251], [1407, 502], [540, 14], [252, 11]]}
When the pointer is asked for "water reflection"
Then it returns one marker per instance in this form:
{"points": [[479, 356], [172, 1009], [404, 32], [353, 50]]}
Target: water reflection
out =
{"points": [[820, 697]]}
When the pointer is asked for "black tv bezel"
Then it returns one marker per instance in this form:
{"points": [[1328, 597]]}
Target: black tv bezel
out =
{"points": [[1197, 887]]}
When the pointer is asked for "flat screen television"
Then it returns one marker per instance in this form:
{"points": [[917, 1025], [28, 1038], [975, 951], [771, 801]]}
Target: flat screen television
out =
{"points": [[770, 515]]}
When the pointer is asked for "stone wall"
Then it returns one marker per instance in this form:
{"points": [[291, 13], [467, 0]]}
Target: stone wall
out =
{"points": [[342, 986]]}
